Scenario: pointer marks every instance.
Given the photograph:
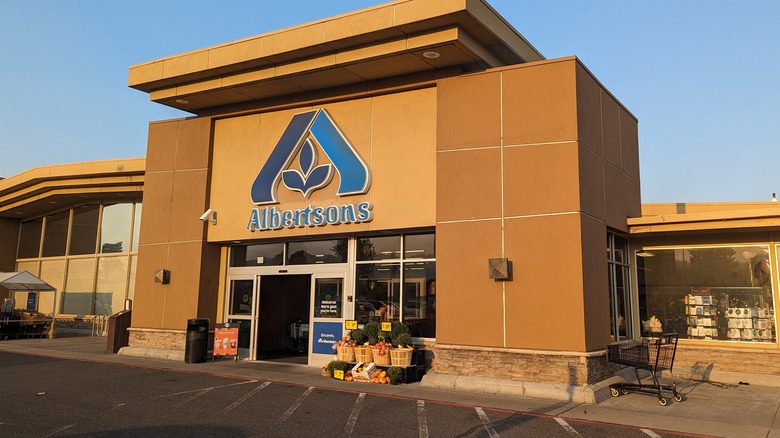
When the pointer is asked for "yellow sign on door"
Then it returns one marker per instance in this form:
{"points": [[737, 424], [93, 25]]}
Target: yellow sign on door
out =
{"points": [[350, 324]]}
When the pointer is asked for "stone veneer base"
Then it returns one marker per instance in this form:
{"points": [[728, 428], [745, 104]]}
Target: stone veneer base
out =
{"points": [[164, 340]]}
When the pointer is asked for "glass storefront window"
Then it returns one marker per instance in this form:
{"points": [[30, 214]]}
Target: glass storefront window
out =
{"points": [[269, 254], [77, 299], [618, 275], [712, 293], [378, 248], [136, 227], [317, 252], [55, 235], [30, 239], [115, 228], [377, 292], [84, 230], [111, 284], [419, 300], [419, 246]]}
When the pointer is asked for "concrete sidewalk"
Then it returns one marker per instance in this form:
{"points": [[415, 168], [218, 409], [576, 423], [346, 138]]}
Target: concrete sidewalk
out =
{"points": [[709, 409]]}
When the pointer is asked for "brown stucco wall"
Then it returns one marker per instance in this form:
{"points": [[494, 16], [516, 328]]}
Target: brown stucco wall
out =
{"points": [[534, 163], [172, 237]]}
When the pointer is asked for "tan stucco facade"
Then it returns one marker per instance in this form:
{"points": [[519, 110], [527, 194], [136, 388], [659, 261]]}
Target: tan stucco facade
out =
{"points": [[535, 161]]}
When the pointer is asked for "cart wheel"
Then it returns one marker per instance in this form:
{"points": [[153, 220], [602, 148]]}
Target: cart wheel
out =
{"points": [[614, 392], [678, 397], [624, 391], [662, 401]]}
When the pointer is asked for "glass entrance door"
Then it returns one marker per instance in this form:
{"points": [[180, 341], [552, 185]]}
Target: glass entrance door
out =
{"points": [[283, 312], [329, 310]]}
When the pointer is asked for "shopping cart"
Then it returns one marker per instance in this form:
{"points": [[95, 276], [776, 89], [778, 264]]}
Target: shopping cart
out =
{"points": [[654, 355]]}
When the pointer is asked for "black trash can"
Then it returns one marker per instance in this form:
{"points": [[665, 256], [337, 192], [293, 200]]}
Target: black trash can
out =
{"points": [[197, 340]]}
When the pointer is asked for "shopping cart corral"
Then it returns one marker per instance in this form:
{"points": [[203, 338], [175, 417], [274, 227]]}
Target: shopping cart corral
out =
{"points": [[653, 354]]}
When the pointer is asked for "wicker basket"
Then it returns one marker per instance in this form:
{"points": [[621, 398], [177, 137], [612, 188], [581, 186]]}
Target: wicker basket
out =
{"points": [[363, 354], [383, 359], [401, 357], [346, 353]]}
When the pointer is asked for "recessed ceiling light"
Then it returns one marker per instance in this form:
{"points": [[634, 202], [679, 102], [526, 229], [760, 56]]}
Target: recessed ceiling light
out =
{"points": [[182, 101], [19, 212], [52, 202], [431, 54]]}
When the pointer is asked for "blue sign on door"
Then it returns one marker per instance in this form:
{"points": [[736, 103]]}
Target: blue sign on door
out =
{"points": [[324, 335]]}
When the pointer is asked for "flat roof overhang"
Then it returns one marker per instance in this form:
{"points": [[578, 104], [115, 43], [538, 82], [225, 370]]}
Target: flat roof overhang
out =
{"points": [[49, 188], [698, 218], [385, 41]]}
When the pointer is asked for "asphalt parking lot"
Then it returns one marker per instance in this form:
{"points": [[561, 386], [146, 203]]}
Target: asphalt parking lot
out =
{"points": [[48, 397]]}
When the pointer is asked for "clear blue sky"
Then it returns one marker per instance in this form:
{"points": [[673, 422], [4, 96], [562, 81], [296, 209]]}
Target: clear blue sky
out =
{"points": [[702, 77]]}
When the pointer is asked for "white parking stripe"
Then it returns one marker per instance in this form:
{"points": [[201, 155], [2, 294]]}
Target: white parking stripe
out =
{"points": [[486, 422], [294, 406], [650, 433], [58, 430], [422, 420], [566, 426], [244, 398], [192, 397], [201, 389], [353, 416]]}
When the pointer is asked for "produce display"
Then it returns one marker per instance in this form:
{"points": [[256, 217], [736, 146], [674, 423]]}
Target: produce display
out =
{"points": [[367, 358]]}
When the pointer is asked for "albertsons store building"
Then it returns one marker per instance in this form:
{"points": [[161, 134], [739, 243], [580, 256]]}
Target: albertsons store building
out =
{"points": [[417, 161]]}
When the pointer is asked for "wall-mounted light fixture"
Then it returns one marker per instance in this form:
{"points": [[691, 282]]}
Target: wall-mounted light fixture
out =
{"points": [[500, 269], [162, 276], [209, 215]]}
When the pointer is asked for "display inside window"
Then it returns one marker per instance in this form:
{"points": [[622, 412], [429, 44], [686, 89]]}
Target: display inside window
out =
{"points": [[717, 293]]}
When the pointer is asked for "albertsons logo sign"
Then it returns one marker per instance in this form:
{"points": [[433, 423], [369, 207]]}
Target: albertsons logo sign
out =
{"points": [[308, 135]]}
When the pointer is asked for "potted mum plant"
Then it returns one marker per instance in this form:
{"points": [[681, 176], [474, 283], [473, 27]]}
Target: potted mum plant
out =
{"points": [[371, 330], [396, 329], [395, 374]]}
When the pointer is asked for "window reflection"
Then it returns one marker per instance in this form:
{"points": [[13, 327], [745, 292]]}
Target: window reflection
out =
{"points": [[115, 228], [419, 246], [30, 239], [136, 227], [377, 292], [317, 252], [55, 234], [379, 248], [419, 300], [84, 229], [269, 254]]}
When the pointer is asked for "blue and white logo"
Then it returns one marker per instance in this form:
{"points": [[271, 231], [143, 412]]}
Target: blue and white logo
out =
{"points": [[305, 132]]}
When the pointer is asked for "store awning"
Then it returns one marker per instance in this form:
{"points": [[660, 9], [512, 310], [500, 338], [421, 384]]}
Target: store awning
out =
{"points": [[23, 281]]}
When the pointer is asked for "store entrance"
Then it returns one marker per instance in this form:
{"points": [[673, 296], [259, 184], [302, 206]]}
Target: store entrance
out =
{"points": [[283, 318]]}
